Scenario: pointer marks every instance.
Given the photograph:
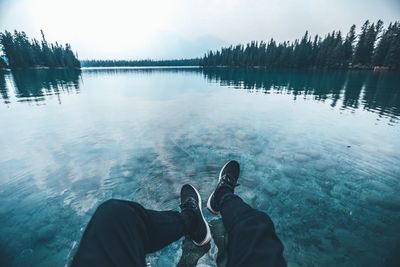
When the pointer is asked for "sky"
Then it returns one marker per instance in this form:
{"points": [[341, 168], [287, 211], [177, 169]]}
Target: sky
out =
{"points": [[168, 29]]}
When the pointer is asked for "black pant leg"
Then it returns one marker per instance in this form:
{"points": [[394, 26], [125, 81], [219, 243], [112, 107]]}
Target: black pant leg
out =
{"points": [[252, 240], [120, 233]]}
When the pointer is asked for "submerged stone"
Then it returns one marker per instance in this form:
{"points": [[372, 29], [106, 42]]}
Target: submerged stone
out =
{"points": [[192, 253], [392, 205], [46, 233], [301, 157], [322, 165]]}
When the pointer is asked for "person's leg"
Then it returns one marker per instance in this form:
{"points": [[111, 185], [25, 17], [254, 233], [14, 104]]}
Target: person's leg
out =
{"points": [[252, 240], [120, 233]]}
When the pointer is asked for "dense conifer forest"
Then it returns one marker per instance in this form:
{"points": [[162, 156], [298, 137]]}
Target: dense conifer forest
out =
{"points": [[20, 52], [140, 63], [373, 46]]}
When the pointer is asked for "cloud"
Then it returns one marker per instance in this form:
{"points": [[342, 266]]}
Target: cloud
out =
{"points": [[182, 28]]}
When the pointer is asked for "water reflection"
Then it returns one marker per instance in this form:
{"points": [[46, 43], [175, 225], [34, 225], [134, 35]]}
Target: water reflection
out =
{"points": [[35, 85], [142, 70], [3, 88], [328, 180], [376, 92]]}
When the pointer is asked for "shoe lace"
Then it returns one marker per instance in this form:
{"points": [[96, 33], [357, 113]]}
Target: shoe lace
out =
{"points": [[229, 181], [190, 203]]}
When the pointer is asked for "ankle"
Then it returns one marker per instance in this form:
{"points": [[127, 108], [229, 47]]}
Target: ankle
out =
{"points": [[189, 220], [221, 194]]}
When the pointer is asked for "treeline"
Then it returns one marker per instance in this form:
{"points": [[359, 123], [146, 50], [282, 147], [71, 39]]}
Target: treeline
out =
{"points": [[373, 46], [20, 52], [140, 63]]}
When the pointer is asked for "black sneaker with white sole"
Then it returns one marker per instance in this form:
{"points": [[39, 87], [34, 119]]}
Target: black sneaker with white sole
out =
{"points": [[227, 180], [191, 200]]}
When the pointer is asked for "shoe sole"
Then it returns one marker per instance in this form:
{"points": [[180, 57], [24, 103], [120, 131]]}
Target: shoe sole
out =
{"points": [[209, 198], [207, 239]]}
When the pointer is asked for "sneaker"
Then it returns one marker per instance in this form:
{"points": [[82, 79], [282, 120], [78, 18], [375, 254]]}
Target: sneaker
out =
{"points": [[227, 179], [190, 199]]}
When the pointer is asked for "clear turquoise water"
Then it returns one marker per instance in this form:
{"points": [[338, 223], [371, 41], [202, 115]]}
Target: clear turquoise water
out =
{"points": [[320, 153]]}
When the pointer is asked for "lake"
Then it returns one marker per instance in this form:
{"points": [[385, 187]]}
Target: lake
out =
{"points": [[319, 151]]}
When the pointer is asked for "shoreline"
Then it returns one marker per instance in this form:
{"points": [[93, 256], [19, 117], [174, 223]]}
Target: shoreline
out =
{"points": [[373, 69], [41, 68], [271, 68]]}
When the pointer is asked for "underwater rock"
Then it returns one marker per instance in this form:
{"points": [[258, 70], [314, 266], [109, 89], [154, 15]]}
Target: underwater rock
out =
{"points": [[301, 157], [391, 205], [322, 165], [312, 153], [26, 252], [210, 258], [46, 233], [290, 171], [25, 258], [270, 190], [331, 172], [380, 186], [192, 253]]}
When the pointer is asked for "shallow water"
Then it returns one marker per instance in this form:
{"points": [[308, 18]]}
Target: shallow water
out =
{"points": [[320, 153]]}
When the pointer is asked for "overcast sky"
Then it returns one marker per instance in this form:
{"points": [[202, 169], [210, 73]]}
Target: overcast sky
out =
{"points": [[133, 29]]}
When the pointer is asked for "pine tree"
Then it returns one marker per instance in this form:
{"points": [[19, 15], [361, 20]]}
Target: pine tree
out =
{"points": [[366, 43], [372, 34], [392, 59], [360, 51], [385, 51], [348, 46]]}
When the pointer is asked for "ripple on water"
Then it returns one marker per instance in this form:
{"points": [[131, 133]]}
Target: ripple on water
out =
{"points": [[328, 178]]}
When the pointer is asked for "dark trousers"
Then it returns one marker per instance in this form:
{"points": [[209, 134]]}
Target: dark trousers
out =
{"points": [[120, 233]]}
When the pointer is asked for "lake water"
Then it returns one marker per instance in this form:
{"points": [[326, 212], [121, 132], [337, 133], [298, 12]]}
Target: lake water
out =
{"points": [[320, 153]]}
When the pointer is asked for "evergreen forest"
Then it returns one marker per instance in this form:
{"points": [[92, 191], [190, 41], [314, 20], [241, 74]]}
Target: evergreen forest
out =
{"points": [[20, 52], [373, 46]]}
